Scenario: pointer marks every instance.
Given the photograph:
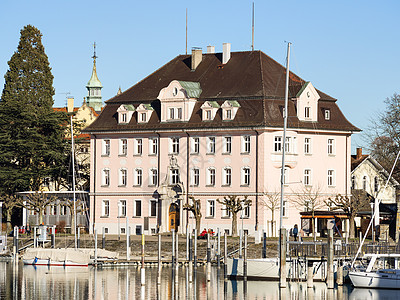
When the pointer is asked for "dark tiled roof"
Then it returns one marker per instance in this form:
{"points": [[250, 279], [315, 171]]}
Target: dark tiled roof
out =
{"points": [[355, 161], [252, 78]]}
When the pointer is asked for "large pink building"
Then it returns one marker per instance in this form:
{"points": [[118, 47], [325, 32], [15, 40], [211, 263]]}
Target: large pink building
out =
{"points": [[211, 123]]}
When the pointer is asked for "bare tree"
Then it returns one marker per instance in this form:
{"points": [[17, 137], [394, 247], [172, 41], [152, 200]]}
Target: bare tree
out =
{"points": [[309, 198], [9, 203], [272, 201], [37, 202], [80, 207], [351, 206], [234, 204], [195, 208]]}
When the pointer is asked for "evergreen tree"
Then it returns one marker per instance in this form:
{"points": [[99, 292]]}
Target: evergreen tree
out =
{"points": [[32, 134]]}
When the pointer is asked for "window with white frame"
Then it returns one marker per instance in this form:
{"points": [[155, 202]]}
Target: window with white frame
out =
{"points": [[226, 213], [105, 208], [174, 176], [63, 210], [174, 145], [124, 117], [245, 212], [211, 176], [228, 114], [123, 146], [175, 113], [123, 173], [211, 208], [246, 144], [195, 145], [307, 177], [138, 146], [143, 117], [331, 146], [227, 176], [327, 114], [307, 145], [211, 145], [208, 114], [331, 177], [153, 208], [285, 208], [153, 176], [246, 176], [138, 177], [285, 176], [195, 177], [278, 144], [227, 144], [307, 112], [138, 208], [153, 146], [106, 147], [364, 182], [122, 208], [291, 144], [105, 179]]}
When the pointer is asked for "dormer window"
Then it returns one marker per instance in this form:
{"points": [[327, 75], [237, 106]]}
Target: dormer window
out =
{"points": [[208, 115], [327, 114], [307, 112], [306, 101], [144, 112], [229, 109], [209, 109], [125, 112], [175, 113]]}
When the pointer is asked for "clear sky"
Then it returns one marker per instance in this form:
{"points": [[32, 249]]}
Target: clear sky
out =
{"points": [[348, 49]]}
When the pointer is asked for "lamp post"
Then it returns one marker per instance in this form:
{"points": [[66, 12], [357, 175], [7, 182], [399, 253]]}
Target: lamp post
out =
{"points": [[1, 218]]}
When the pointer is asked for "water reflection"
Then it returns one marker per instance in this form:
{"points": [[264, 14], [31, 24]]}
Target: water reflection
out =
{"points": [[29, 282]]}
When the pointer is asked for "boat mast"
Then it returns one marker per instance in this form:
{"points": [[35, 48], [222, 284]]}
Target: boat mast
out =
{"points": [[73, 177], [285, 116]]}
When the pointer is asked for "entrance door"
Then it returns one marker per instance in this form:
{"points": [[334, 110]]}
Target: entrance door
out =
{"points": [[173, 217]]}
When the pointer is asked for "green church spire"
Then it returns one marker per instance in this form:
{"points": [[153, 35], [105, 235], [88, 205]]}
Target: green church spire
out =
{"points": [[94, 87]]}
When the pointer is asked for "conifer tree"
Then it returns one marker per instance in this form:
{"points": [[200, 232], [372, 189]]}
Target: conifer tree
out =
{"points": [[32, 143]]}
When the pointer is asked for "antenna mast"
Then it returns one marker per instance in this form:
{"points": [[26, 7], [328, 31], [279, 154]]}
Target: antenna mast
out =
{"points": [[252, 30], [186, 29]]}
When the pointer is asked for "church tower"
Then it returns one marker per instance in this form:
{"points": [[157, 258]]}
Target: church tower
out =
{"points": [[94, 87]]}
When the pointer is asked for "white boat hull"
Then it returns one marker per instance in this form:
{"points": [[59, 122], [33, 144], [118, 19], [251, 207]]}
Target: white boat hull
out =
{"points": [[56, 257], [383, 279]]}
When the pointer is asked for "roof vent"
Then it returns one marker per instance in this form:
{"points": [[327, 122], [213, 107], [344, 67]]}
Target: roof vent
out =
{"points": [[196, 57], [226, 52], [210, 49]]}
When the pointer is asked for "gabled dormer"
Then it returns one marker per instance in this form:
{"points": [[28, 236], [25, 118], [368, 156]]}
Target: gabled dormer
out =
{"points": [[307, 103], [229, 109], [178, 100], [125, 112], [209, 110], [144, 112]]}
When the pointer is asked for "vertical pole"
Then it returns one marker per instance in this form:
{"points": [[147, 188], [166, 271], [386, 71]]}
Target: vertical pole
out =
{"points": [[176, 252], [190, 260], [329, 277], [173, 247], [142, 270], [219, 249], [339, 274], [73, 178], [103, 239], [78, 241], [34, 237], [309, 274], [208, 259], [225, 257], [264, 251], [128, 248], [282, 257], [53, 236], [240, 243], [245, 258], [15, 242], [95, 247], [187, 243], [1, 218], [195, 249], [159, 259]]}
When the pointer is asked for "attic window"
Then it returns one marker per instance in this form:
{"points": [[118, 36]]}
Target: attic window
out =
{"points": [[307, 112], [228, 114], [123, 118], [327, 114], [143, 117], [208, 114], [229, 109]]}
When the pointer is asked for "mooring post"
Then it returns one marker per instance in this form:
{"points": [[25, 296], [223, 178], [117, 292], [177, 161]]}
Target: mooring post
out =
{"points": [[339, 273], [190, 259], [329, 276], [176, 252], [53, 237], [15, 242], [159, 259], [245, 258], [225, 257], [78, 241], [195, 249], [103, 239], [95, 247], [128, 248], [173, 247], [219, 249], [240, 243], [282, 258], [143, 270], [187, 243], [309, 274], [264, 251], [208, 258], [34, 237]]}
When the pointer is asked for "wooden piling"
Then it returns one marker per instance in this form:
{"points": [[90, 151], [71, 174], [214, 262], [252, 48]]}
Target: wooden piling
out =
{"points": [[309, 274], [95, 247], [282, 258], [208, 259], [225, 257], [173, 247], [176, 253], [142, 269], [53, 237], [245, 258], [219, 249], [34, 237], [78, 241], [329, 277], [195, 249], [128, 248], [264, 251], [339, 274], [159, 260]]}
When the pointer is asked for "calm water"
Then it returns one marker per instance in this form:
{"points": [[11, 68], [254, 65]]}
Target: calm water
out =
{"points": [[28, 282]]}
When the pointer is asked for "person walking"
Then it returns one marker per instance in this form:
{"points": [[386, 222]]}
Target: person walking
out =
{"points": [[295, 232]]}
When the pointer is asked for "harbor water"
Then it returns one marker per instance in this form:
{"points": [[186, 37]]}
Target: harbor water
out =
{"points": [[29, 282]]}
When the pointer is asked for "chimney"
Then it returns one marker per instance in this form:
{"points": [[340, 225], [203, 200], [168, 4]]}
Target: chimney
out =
{"points": [[226, 52], [210, 49], [70, 104], [359, 153], [196, 57]]}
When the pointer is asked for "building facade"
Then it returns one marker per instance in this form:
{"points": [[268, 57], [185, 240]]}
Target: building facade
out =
{"points": [[210, 125]]}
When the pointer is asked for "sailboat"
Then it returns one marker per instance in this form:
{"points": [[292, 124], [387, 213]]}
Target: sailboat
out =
{"points": [[60, 257]]}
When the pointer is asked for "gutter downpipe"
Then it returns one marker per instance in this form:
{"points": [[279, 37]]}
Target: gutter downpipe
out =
{"points": [[256, 225]]}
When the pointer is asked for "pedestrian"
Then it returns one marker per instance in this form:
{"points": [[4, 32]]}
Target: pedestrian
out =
{"points": [[295, 232]]}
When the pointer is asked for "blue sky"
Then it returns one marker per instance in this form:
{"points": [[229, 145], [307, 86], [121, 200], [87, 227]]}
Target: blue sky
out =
{"points": [[348, 49]]}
